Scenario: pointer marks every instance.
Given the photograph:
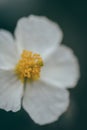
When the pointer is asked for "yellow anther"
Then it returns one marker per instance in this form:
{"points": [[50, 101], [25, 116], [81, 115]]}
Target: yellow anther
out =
{"points": [[29, 66]]}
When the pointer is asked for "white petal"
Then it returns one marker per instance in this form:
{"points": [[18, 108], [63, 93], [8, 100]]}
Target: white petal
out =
{"points": [[38, 34], [11, 91], [8, 50], [45, 103], [61, 68]]}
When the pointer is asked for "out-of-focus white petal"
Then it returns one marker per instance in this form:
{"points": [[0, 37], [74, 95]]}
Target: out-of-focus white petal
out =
{"points": [[11, 91], [8, 52], [61, 68], [45, 103], [38, 34]]}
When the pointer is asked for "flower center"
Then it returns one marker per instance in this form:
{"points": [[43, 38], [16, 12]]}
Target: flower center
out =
{"points": [[29, 66]]}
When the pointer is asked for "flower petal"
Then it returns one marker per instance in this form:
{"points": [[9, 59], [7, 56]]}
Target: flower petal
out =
{"points": [[38, 34], [8, 50], [61, 68], [11, 91], [44, 103]]}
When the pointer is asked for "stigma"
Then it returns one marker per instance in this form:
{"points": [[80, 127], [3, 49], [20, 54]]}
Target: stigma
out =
{"points": [[29, 66]]}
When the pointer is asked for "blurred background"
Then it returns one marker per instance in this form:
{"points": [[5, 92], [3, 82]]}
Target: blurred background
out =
{"points": [[71, 15]]}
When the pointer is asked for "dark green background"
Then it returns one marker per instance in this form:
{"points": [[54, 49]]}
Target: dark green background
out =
{"points": [[71, 16]]}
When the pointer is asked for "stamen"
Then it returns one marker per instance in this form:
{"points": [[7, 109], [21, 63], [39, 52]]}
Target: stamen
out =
{"points": [[29, 66]]}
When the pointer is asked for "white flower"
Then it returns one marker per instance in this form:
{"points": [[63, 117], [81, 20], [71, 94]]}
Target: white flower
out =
{"points": [[46, 98]]}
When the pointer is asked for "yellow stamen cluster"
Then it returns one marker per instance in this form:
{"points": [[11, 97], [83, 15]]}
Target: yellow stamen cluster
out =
{"points": [[29, 66]]}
